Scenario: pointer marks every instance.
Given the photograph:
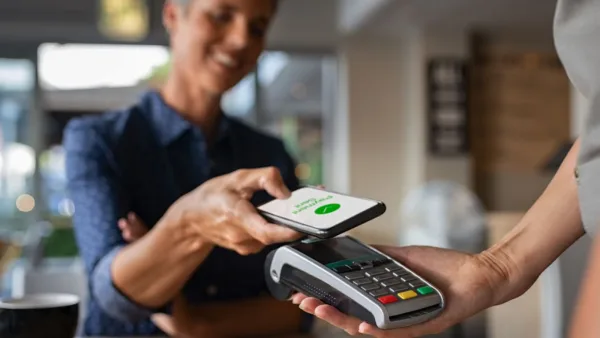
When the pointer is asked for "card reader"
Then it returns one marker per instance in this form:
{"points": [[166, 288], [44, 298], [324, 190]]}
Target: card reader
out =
{"points": [[356, 279]]}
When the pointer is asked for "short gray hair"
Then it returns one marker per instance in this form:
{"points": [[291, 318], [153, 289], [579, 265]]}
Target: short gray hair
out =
{"points": [[185, 3]]}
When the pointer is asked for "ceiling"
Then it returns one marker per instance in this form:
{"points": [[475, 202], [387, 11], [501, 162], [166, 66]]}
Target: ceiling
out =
{"points": [[487, 15], [302, 24], [299, 24]]}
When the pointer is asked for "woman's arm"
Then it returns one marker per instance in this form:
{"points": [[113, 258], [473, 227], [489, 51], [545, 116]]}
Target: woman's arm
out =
{"points": [[473, 283], [586, 321], [100, 200], [549, 227]]}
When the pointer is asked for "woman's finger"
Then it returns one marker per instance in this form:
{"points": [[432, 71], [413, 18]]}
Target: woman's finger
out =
{"points": [[137, 227], [259, 228], [310, 304], [333, 316], [298, 298], [269, 179]]}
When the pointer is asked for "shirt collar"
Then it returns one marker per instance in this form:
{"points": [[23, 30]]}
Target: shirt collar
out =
{"points": [[169, 125]]}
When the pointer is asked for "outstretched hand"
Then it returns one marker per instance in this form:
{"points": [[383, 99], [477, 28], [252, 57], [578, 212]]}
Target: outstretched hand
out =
{"points": [[467, 281]]}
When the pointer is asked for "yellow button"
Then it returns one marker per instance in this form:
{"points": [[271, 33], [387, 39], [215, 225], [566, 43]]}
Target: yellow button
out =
{"points": [[407, 294]]}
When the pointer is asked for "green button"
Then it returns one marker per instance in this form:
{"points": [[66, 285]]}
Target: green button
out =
{"points": [[425, 290]]}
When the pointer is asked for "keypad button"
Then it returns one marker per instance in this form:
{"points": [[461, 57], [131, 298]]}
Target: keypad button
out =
{"points": [[363, 265], [375, 272], [425, 290], [342, 269], [378, 293], [391, 282], [409, 278], [362, 281], [399, 288], [387, 299], [392, 267], [370, 287], [416, 284], [401, 273], [381, 278], [354, 267], [380, 262], [354, 275], [407, 294]]}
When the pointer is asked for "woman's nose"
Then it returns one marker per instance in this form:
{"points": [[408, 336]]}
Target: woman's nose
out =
{"points": [[238, 35]]}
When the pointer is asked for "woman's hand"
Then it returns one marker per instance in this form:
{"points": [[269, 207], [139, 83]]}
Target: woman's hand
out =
{"points": [[470, 283], [220, 212]]}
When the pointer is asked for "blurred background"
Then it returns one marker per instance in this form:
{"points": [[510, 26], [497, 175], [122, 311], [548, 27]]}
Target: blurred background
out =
{"points": [[376, 98]]}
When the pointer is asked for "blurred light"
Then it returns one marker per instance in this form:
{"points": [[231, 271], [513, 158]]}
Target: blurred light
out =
{"points": [[66, 207], [18, 160], [270, 66], [126, 20], [303, 171], [25, 203], [81, 66], [16, 75]]}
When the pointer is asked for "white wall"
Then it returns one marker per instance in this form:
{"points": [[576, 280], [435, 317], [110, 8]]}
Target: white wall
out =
{"points": [[382, 100], [371, 103]]}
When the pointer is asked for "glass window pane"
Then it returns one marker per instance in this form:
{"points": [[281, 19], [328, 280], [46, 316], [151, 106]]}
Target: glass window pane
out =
{"points": [[82, 66], [17, 160], [292, 107]]}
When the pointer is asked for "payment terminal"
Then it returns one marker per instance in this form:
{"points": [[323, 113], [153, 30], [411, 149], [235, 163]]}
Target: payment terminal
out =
{"points": [[356, 279]]}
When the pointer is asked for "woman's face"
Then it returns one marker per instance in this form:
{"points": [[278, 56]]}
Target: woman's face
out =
{"points": [[215, 43]]}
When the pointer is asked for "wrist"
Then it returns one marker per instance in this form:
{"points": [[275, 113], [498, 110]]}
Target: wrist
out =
{"points": [[175, 231], [503, 275]]}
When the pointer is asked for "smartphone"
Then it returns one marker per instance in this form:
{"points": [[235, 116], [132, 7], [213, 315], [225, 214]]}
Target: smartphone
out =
{"points": [[321, 213]]}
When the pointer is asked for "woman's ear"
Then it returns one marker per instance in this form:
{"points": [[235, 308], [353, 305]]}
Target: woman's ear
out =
{"points": [[170, 15]]}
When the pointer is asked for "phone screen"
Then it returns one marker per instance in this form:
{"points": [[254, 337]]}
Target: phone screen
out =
{"points": [[317, 208]]}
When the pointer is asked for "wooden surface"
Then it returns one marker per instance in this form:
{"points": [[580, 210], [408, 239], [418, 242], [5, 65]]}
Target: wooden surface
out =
{"points": [[520, 117]]}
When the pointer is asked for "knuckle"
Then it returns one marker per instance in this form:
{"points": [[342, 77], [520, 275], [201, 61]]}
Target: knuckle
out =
{"points": [[234, 237], [352, 332], [239, 174], [272, 173], [264, 238], [246, 250]]}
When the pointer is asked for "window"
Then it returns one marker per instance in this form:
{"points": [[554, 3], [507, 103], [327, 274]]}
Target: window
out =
{"points": [[293, 107]]}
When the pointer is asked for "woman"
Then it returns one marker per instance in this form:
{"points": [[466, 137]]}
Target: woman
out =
{"points": [[473, 283], [175, 161]]}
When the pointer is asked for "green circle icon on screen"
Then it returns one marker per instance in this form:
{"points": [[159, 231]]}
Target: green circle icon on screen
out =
{"points": [[327, 209]]}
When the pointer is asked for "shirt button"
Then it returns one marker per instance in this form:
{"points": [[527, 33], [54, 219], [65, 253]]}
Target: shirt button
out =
{"points": [[212, 290]]}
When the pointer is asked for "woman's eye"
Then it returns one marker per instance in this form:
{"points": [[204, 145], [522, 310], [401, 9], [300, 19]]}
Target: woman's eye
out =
{"points": [[221, 17], [258, 31]]}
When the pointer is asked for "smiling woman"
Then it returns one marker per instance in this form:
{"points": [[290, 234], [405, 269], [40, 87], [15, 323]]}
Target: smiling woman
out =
{"points": [[178, 137]]}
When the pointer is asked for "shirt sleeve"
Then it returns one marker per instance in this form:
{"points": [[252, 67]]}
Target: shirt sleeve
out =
{"points": [[99, 201], [588, 170]]}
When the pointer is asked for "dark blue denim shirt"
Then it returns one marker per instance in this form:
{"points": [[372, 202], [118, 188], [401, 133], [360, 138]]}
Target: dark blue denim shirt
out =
{"points": [[142, 159]]}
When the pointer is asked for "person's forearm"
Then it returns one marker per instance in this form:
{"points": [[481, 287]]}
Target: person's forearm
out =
{"points": [[550, 226], [585, 321], [153, 270]]}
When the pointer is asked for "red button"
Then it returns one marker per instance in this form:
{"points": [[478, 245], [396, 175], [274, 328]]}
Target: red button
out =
{"points": [[387, 299]]}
